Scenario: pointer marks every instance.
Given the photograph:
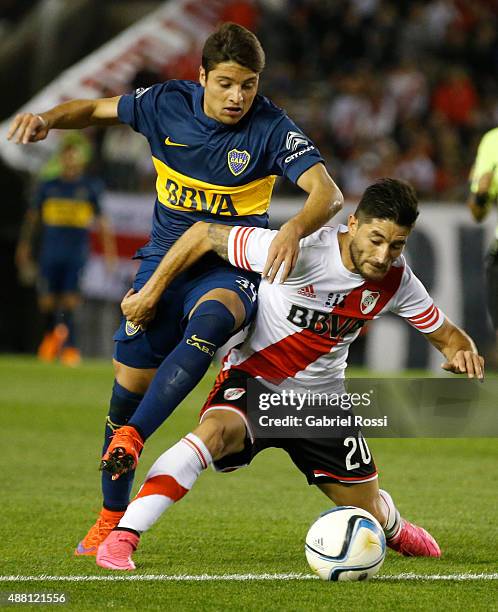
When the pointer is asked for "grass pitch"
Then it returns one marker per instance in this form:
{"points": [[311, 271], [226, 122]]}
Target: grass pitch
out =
{"points": [[249, 522]]}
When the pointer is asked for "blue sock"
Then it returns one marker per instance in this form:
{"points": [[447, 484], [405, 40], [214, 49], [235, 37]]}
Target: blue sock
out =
{"points": [[122, 406], [210, 327]]}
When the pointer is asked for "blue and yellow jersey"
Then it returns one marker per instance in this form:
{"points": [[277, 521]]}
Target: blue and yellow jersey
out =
{"points": [[207, 170], [67, 210]]}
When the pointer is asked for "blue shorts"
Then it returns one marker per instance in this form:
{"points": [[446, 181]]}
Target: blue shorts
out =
{"points": [[147, 348], [59, 275]]}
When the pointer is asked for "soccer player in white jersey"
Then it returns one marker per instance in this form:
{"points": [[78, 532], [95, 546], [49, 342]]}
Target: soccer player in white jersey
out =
{"points": [[344, 276]]}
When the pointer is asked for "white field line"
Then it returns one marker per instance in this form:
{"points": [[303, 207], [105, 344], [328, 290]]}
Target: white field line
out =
{"points": [[235, 577]]}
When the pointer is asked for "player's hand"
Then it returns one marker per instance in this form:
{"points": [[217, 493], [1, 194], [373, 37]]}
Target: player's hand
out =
{"points": [[23, 255], [485, 181], [27, 127], [466, 362], [26, 268], [283, 251], [137, 308]]}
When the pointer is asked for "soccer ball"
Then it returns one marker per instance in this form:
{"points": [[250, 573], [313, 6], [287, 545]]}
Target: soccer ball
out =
{"points": [[345, 543]]}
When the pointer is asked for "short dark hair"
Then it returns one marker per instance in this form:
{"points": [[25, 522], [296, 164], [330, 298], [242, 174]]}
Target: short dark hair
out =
{"points": [[233, 43], [390, 199]]}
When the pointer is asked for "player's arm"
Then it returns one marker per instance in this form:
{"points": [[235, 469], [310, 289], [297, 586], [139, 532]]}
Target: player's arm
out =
{"points": [[75, 114], [324, 201], [139, 308], [482, 176], [412, 302], [479, 202], [23, 255], [459, 349]]}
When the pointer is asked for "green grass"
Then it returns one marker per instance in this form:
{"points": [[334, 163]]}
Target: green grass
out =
{"points": [[251, 521]]}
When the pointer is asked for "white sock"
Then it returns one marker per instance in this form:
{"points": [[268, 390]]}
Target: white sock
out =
{"points": [[169, 479], [393, 522]]}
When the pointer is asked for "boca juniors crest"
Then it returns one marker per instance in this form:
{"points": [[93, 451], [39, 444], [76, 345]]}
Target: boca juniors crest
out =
{"points": [[368, 300], [131, 329], [238, 161]]}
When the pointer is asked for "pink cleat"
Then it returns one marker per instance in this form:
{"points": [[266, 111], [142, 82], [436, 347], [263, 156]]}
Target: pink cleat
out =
{"points": [[116, 550], [414, 541]]}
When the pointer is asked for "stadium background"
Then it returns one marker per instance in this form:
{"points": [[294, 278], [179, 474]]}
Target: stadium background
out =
{"points": [[383, 88]]}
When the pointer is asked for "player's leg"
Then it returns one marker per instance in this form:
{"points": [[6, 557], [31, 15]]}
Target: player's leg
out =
{"points": [[137, 355], [211, 322], [128, 390], [171, 477], [401, 535], [342, 466], [71, 270], [368, 497], [49, 284], [47, 350], [68, 303], [214, 316]]}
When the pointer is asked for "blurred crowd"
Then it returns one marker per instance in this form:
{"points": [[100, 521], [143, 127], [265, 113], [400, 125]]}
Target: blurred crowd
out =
{"points": [[383, 87], [11, 12], [388, 88]]}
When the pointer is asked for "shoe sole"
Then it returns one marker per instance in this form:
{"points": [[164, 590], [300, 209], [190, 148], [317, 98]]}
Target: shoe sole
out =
{"points": [[119, 462]]}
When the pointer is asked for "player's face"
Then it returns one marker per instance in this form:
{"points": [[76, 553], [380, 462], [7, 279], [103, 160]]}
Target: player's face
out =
{"points": [[375, 245], [229, 91], [72, 163]]}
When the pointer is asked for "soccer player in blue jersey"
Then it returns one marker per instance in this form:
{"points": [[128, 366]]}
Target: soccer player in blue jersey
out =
{"points": [[217, 147], [67, 207]]}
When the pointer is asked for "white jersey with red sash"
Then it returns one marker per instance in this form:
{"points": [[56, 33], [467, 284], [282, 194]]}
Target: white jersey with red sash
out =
{"points": [[303, 328]]}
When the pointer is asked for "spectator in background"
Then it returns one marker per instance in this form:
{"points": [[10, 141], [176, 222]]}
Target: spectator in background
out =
{"points": [[408, 86], [408, 49], [455, 98], [379, 117], [360, 72], [67, 207], [243, 12], [347, 110], [416, 165], [439, 16]]}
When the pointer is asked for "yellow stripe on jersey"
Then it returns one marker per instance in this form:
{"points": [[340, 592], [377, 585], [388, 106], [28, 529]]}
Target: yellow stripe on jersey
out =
{"points": [[64, 212], [181, 192]]}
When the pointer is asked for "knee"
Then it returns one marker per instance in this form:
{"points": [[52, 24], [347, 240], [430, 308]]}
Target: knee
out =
{"points": [[221, 317], [134, 380]]}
